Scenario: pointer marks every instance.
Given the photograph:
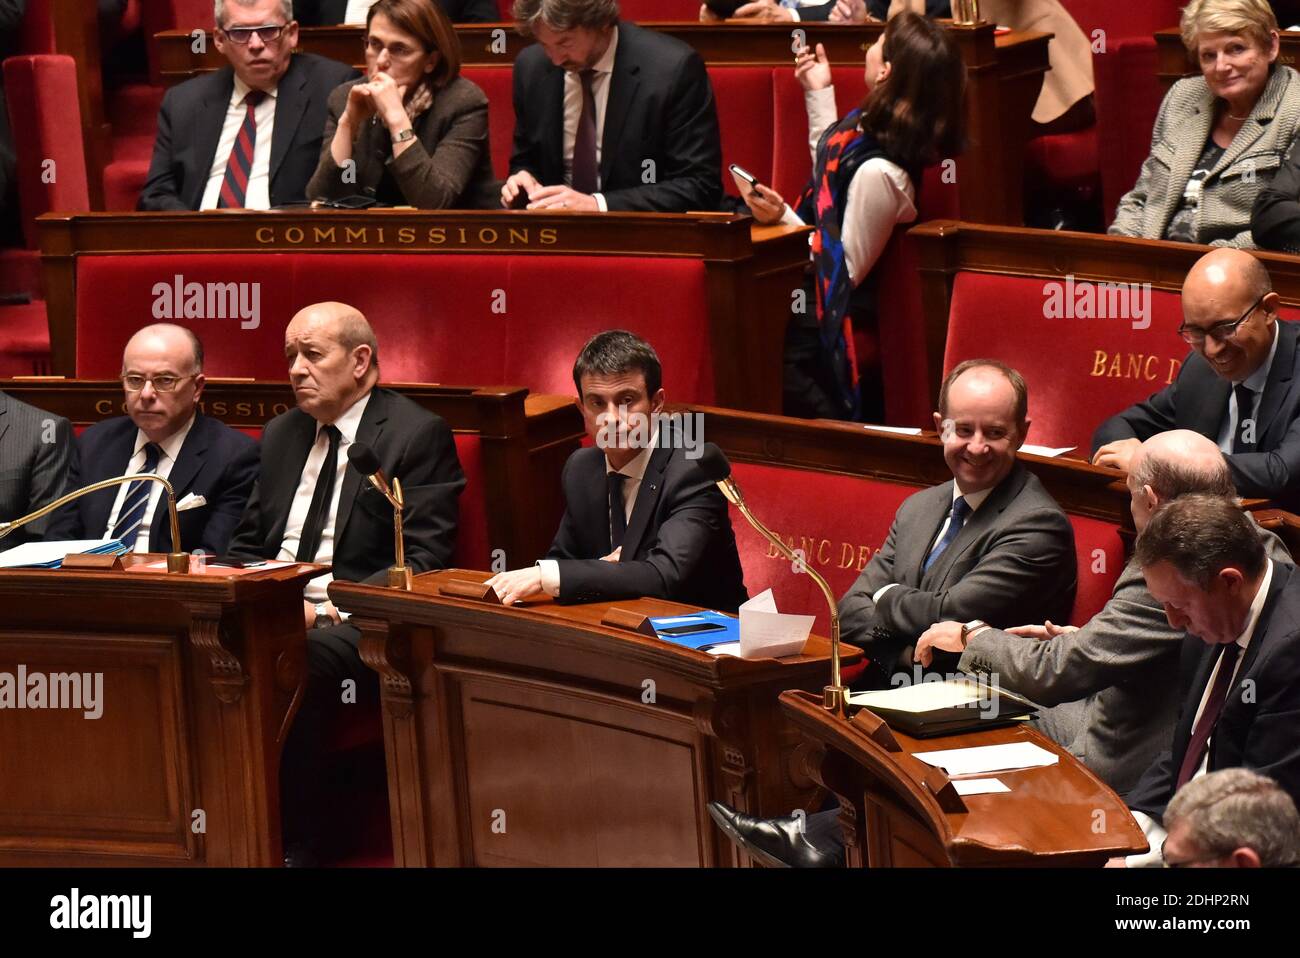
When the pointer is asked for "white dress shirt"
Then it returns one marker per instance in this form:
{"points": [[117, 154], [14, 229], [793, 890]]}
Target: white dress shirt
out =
{"points": [[880, 195], [974, 500], [573, 111], [1154, 830], [633, 473], [1255, 382], [171, 448], [258, 194], [347, 426]]}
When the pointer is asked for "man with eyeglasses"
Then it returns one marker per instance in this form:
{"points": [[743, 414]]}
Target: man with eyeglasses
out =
{"points": [[219, 145], [1239, 386], [211, 466]]}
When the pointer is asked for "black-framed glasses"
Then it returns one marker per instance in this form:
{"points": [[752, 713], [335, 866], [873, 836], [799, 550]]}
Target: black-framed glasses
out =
{"points": [[398, 51], [1219, 332], [161, 384], [267, 34]]}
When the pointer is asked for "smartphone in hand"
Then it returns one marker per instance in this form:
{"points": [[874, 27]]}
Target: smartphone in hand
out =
{"points": [[746, 182]]}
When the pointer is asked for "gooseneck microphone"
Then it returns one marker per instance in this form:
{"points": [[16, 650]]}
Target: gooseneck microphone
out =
{"points": [[717, 469], [177, 561], [364, 461]]}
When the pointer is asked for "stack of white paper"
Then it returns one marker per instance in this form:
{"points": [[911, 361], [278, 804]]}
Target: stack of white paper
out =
{"points": [[768, 634], [49, 555], [983, 759]]}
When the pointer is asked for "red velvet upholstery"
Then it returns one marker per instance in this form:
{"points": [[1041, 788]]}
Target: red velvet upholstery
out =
{"points": [[649, 11], [472, 533], [42, 95], [20, 273], [1100, 553], [1065, 163], [742, 95], [498, 84], [433, 313], [159, 15], [38, 28], [791, 161], [24, 340]]}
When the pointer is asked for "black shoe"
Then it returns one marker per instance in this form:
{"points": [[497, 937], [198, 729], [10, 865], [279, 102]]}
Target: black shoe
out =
{"points": [[776, 842], [300, 855]]}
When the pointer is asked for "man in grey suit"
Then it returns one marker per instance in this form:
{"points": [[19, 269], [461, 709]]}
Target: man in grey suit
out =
{"points": [[1109, 685], [991, 545], [36, 457]]}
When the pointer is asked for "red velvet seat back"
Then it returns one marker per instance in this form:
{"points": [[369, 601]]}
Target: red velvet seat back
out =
{"points": [[743, 95], [41, 92], [792, 162], [37, 27], [472, 551], [159, 15], [1100, 554], [497, 84], [839, 522], [483, 319], [649, 11]]}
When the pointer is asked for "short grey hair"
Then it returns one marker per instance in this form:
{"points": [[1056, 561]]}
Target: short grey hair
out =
{"points": [[1170, 478], [219, 10], [565, 14], [355, 330], [1237, 808], [1252, 19]]}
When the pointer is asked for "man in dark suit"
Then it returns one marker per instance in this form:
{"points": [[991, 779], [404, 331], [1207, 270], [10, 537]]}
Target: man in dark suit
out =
{"points": [[328, 13], [37, 454], [1203, 560], [248, 135], [640, 516], [1240, 385], [309, 506], [210, 465], [609, 116]]}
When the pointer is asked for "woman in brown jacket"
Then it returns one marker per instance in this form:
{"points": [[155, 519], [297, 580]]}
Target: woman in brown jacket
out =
{"points": [[413, 131]]}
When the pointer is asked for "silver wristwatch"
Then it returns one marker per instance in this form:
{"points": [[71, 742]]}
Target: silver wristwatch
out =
{"points": [[323, 619], [407, 134]]}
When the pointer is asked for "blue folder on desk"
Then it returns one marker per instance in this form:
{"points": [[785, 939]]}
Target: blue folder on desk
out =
{"points": [[730, 631]]}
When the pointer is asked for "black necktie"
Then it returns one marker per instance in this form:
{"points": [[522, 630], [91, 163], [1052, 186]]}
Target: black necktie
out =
{"points": [[1245, 420], [617, 516], [314, 527], [584, 143]]}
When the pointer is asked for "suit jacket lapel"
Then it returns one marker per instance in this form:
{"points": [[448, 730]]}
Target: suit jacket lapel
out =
{"points": [[207, 131], [291, 99], [647, 500], [369, 430], [914, 544], [1190, 143], [4, 422], [623, 84], [189, 461], [1208, 403], [279, 500], [987, 513], [1278, 384], [552, 95]]}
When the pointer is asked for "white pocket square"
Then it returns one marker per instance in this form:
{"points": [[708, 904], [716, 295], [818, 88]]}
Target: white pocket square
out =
{"points": [[191, 501]]}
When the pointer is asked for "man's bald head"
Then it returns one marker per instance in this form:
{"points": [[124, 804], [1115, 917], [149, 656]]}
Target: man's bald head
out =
{"points": [[342, 323], [1172, 464], [333, 358], [162, 377], [176, 341], [1227, 270], [1223, 287]]}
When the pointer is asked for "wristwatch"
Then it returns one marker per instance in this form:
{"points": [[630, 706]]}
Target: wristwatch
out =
{"points": [[971, 628], [407, 134], [323, 619]]}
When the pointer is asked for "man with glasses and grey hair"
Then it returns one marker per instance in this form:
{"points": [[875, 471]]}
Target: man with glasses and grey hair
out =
{"points": [[1239, 386], [211, 466], [1232, 818], [219, 145]]}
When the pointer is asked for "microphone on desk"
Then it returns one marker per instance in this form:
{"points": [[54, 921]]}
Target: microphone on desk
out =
{"points": [[716, 467], [177, 561], [365, 461]]}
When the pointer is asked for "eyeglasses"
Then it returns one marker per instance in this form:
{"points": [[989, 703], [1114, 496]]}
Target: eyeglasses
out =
{"points": [[1219, 332], [242, 35], [397, 51], [161, 384]]}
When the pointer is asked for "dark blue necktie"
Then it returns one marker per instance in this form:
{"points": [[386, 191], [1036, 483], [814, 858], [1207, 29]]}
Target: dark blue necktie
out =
{"points": [[617, 515], [1245, 416], [130, 517], [960, 510]]}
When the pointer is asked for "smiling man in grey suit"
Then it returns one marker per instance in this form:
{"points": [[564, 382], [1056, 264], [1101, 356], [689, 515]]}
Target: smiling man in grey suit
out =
{"points": [[36, 456]]}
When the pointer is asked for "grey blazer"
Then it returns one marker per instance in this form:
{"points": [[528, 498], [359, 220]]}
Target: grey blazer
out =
{"points": [[1228, 194], [33, 471], [1012, 562], [449, 165]]}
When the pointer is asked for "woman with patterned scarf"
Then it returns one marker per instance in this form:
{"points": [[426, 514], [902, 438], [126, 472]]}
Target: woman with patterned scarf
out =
{"points": [[412, 131], [866, 171]]}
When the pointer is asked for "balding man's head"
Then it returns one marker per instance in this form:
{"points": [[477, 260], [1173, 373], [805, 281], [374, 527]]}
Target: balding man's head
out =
{"points": [[162, 374], [1222, 287], [333, 358], [1172, 464]]}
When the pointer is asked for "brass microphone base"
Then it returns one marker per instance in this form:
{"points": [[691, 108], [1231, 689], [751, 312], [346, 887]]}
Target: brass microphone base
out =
{"points": [[835, 698], [399, 577], [178, 562]]}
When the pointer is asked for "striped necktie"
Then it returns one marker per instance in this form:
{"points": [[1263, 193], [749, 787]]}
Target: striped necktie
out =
{"points": [[130, 518], [234, 187]]}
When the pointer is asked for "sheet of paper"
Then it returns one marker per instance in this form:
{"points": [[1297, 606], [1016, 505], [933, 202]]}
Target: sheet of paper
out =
{"points": [[900, 430], [43, 553], [923, 697], [979, 786], [1048, 451], [724, 648], [983, 759], [766, 633]]}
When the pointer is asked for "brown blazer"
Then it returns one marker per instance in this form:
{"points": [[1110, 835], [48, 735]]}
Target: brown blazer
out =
{"points": [[1070, 78], [449, 165]]}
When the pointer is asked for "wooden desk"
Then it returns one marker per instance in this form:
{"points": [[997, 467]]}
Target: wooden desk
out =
{"points": [[201, 676], [1173, 62], [749, 271], [898, 811], [1004, 75], [537, 736]]}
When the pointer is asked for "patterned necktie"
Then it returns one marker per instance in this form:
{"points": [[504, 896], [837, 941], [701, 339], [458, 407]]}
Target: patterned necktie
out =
{"points": [[960, 510], [617, 510], [234, 187], [314, 527], [1245, 420], [1213, 708], [130, 518], [584, 144]]}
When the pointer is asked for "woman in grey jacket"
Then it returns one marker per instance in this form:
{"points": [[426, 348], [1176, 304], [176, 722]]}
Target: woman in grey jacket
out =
{"points": [[412, 132], [1218, 137]]}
